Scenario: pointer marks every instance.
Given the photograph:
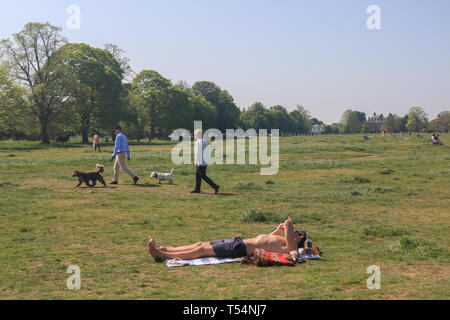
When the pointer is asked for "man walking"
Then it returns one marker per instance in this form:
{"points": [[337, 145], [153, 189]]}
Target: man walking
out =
{"points": [[201, 164], [121, 152]]}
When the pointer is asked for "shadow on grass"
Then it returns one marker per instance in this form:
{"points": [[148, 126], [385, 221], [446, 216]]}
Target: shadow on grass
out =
{"points": [[225, 194], [95, 188], [147, 185]]}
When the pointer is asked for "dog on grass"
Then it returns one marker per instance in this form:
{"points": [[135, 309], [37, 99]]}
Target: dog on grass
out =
{"points": [[163, 176], [86, 177]]}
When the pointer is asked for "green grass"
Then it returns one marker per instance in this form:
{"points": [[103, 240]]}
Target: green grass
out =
{"points": [[379, 202]]}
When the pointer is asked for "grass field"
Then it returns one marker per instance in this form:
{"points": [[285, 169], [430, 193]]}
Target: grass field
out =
{"points": [[380, 202]]}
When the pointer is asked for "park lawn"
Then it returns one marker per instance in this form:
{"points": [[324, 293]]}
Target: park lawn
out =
{"points": [[381, 202]]}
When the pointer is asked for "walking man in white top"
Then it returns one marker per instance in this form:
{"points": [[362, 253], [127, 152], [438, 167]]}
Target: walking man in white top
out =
{"points": [[200, 163]]}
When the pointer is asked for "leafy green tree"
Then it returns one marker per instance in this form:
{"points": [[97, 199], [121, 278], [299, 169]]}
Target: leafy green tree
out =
{"points": [[150, 91], [417, 119], [346, 116], [352, 121], [12, 104], [227, 112], [168, 107], [29, 55], [301, 120], [361, 116], [95, 78], [364, 128], [175, 112], [394, 123], [202, 110], [127, 115], [124, 62], [281, 119], [389, 123], [442, 122], [256, 117], [353, 124]]}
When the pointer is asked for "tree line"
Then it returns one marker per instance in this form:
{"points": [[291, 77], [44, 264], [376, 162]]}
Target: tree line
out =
{"points": [[416, 120], [49, 86]]}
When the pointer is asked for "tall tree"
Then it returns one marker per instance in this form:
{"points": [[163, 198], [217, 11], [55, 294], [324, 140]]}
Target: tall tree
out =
{"points": [[389, 123], [96, 83], [30, 57], [256, 117], [167, 106], [361, 116], [281, 119], [175, 112], [202, 110], [227, 112], [442, 122], [124, 62], [150, 92], [12, 104], [302, 120], [346, 116], [352, 121], [353, 124], [417, 119]]}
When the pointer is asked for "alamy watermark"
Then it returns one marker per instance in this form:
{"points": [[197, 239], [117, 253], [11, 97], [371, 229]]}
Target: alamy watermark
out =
{"points": [[236, 147], [74, 20], [374, 281], [74, 281], [374, 20]]}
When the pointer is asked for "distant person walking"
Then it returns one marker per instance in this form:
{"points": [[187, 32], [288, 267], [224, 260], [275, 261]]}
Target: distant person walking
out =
{"points": [[96, 143], [121, 153], [200, 163]]}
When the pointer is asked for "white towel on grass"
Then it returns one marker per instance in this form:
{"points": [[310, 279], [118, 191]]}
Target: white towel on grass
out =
{"points": [[215, 260], [303, 256], [200, 262]]}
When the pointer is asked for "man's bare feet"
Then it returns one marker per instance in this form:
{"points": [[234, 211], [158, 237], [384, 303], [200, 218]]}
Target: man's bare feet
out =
{"points": [[153, 250], [160, 248]]}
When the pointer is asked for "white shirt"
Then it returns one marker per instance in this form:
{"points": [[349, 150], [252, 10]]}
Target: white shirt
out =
{"points": [[199, 149]]}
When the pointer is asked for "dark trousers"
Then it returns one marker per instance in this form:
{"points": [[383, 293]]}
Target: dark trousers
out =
{"points": [[97, 146], [201, 174]]}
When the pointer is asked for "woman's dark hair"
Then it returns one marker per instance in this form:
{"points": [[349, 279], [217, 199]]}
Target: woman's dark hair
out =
{"points": [[301, 243]]}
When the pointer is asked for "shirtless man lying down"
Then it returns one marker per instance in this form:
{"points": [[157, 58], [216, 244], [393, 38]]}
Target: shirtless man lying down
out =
{"points": [[232, 248]]}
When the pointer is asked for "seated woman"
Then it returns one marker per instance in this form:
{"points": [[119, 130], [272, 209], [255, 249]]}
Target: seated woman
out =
{"points": [[435, 139], [232, 248]]}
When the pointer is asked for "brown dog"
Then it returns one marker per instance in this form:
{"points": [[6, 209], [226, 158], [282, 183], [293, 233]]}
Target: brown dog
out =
{"points": [[86, 177]]}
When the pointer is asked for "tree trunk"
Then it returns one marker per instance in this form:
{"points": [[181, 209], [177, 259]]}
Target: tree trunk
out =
{"points": [[44, 133], [84, 134]]}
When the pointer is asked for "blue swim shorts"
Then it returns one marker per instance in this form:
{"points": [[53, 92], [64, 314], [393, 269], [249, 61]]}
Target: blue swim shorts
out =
{"points": [[231, 248]]}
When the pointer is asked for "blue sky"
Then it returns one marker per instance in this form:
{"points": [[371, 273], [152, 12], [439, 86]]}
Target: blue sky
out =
{"points": [[319, 54]]}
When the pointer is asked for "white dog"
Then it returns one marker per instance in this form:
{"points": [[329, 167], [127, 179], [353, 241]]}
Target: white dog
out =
{"points": [[163, 176]]}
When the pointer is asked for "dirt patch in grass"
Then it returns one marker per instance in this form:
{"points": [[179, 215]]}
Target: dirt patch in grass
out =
{"points": [[422, 272]]}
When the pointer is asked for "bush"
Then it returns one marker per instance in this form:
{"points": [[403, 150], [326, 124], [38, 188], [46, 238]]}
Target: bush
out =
{"points": [[361, 180], [356, 180], [387, 171], [376, 229], [253, 215], [247, 186], [421, 248], [410, 243]]}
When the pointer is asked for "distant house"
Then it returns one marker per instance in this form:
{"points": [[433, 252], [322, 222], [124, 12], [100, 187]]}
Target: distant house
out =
{"points": [[317, 129], [374, 123]]}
